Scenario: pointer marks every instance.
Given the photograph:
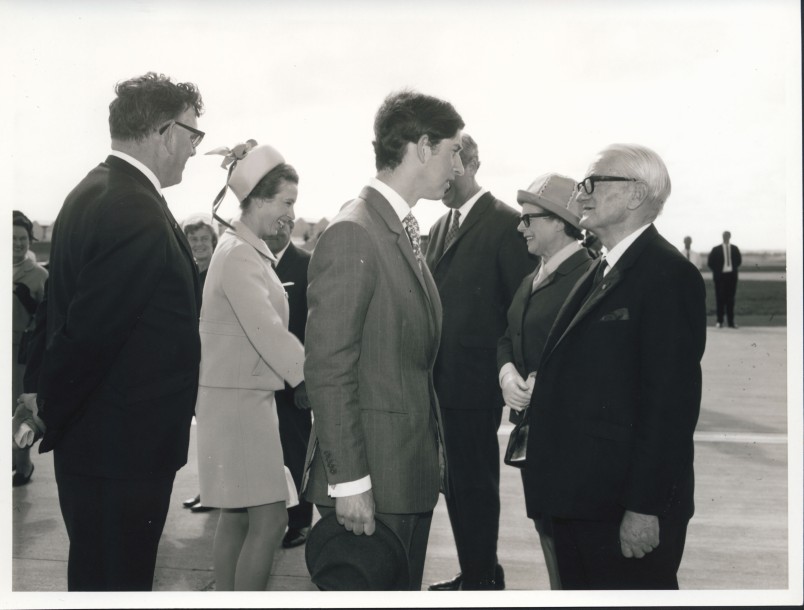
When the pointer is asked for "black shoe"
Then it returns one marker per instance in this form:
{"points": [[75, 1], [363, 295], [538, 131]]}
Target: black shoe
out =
{"points": [[201, 508], [18, 480], [190, 502], [295, 536], [453, 584]]}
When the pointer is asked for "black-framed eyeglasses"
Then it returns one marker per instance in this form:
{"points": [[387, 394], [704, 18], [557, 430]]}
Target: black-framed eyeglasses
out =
{"points": [[588, 183], [525, 218], [195, 138]]}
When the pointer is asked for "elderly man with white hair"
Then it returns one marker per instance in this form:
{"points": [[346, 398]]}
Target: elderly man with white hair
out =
{"points": [[618, 391]]}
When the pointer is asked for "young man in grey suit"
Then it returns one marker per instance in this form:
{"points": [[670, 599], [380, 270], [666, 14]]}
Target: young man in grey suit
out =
{"points": [[478, 260], [120, 372], [618, 391], [372, 335]]}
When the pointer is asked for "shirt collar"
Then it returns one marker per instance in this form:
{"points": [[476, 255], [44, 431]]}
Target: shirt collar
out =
{"points": [[554, 262], [470, 203], [616, 253], [140, 166], [400, 206], [281, 253]]}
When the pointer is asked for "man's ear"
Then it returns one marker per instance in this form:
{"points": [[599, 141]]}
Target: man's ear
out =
{"points": [[424, 149], [639, 193]]}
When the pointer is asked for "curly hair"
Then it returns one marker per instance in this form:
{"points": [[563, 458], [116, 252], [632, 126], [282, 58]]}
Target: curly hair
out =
{"points": [[145, 102], [199, 225], [21, 220], [404, 117]]}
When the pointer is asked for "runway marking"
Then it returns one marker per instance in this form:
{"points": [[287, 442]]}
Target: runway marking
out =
{"points": [[707, 437]]}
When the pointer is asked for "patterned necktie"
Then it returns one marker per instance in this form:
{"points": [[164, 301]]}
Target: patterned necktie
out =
{"points": [[412, 229], [601, 268], [453, 229]]}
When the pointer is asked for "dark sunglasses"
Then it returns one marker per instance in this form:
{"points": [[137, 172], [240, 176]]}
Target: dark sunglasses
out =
{"points": [[525, 218], [588, 183], [195, 138]]}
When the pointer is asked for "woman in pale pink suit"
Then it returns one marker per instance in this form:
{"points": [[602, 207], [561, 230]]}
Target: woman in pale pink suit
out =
{"points": [[247, 353]]}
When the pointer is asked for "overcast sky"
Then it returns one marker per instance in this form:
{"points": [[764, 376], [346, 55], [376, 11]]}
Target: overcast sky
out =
{"points": [[712, 86]]}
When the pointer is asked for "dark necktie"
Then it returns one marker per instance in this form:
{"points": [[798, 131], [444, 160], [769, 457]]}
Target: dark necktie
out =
{"points": [[601, 269], [412, 229], [453, 229]]}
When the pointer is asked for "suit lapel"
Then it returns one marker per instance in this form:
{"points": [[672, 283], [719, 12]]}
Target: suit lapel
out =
{"points": [[582, 302]]}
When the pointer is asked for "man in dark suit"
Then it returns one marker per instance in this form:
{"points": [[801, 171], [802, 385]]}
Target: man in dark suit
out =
{"points": [[549, 224], [724, 261], [373, 330], [618, 391], [120, 371], [295, 423], [477, 259]]}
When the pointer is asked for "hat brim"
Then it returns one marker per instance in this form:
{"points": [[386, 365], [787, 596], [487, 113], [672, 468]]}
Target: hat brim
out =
{"points": [[327, 529], [556, 210]]}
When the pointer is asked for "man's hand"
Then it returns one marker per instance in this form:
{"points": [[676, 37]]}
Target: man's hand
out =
{"points": [[356, 513], [300, 398], [639, 534], [516, 391]]}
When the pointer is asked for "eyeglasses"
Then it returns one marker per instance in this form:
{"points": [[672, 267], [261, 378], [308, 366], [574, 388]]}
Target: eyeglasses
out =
{"points": [[588, 183], [525, 218], [195, 138]]}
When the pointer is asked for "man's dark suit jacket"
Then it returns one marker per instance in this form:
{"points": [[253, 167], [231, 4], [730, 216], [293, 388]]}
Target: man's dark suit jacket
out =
{"points": [[293, 268], [477, 277], [120, 372], [716, 260], [618, 392]]}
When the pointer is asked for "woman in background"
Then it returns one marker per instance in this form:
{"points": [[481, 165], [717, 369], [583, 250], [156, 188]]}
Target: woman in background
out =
{"points": [[29, 287], [247, 353]]}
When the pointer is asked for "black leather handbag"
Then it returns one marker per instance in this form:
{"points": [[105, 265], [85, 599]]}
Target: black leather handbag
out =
{"points": [[515, 453]]}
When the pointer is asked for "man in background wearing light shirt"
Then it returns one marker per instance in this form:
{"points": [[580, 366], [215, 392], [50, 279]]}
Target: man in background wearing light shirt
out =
{"points": [[477, 259], [372, 334], [618, 391], [724, 261]]}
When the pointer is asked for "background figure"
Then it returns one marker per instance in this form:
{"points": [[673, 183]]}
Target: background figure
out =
{"points": [[477, 259], [552, 232], [203, 240], [372, 336], [618, 391], [29, 289], [724, 261], [690, 254], [247, 354], [295, 423], [119, 376]]}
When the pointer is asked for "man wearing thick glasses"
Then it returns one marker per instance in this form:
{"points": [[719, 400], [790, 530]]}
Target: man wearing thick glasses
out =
{"points": [[618, 391], [120, 372]]}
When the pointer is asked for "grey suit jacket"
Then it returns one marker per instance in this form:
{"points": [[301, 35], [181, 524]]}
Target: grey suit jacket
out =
{"points": [[372, 336]]}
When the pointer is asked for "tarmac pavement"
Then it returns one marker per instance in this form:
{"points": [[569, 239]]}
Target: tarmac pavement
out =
{"points": [[738, 539]]}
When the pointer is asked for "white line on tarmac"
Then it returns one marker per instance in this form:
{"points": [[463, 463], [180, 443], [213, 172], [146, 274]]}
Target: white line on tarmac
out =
{"points": [[706, 437]]}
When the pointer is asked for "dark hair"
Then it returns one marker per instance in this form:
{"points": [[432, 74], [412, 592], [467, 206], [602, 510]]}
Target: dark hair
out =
{"points": [[146, 102], [573, 232], [405, 117], [197, 226], [270, 183], [21, 220]]}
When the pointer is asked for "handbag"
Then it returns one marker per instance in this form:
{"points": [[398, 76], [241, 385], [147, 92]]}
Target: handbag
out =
{"points": [[515, 453]]}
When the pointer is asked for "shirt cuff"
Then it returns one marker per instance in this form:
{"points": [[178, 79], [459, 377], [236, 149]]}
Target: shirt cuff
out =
{"points": [[349, 488], [508, 367]]}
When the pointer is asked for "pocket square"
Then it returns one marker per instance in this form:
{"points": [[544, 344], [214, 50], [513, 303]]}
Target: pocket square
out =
{"points": [[616, 315]]}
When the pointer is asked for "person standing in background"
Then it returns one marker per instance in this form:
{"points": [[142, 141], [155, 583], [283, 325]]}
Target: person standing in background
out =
{"points": [[477, 259], [119, 376], [295, 422], [29, 289], [724, 261], [690, 254]]}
